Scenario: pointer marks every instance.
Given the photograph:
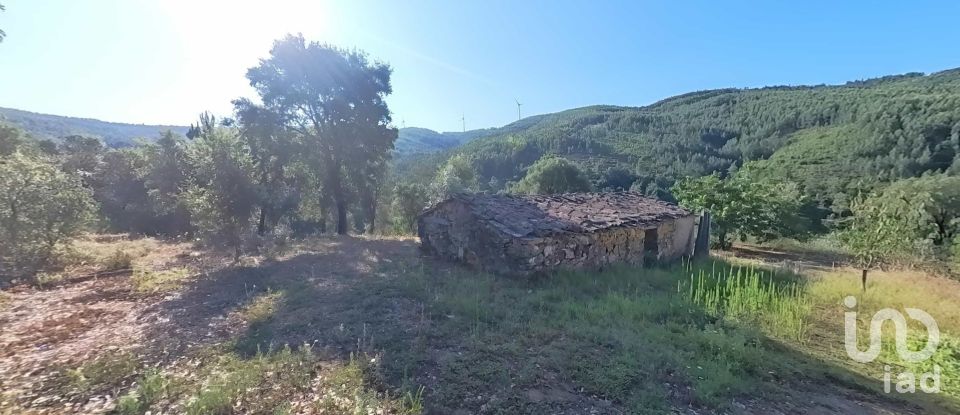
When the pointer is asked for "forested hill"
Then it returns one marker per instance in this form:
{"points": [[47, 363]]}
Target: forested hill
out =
{"points": [[830, 140], [45, 126], [413, 140]]}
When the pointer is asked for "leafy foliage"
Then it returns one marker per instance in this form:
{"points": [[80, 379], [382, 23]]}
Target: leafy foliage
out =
{"points": [[222, 194], [334, 100], [918, 217], [409, 200], [553, 175], [40, 207], [457, 175], [744, 208]]}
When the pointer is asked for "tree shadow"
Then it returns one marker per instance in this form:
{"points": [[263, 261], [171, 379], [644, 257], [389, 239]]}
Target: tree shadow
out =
{"points": [[317, 297]]}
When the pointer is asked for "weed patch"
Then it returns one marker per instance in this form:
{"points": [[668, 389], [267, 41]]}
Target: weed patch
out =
{"points": [[103, 373], [147, 281], [152, 387], [119, 259], [777, 305]]}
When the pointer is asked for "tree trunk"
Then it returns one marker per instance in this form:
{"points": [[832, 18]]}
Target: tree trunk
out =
{"points": [[722, 242], [322, 225], [237, 244], [342, 226], [863, 280], [372, 217], [262, 223], [339, 198]]}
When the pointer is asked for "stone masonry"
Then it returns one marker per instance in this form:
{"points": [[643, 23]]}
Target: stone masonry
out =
{"points": [[527, 234]]}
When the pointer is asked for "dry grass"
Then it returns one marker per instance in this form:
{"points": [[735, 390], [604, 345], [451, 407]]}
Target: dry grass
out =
{"points": [[894, 289], [262, 307], [148, 281]]}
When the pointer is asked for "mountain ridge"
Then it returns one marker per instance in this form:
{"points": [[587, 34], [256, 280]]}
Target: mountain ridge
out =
{"points": [[411, 140], [55, 127]]}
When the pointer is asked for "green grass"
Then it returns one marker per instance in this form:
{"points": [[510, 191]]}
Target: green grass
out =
{"points": [[650, 339], [897, 290], [152, 387], [626, 334], [148, 281], [256, 383], [103, 373], [266, 382], [118, 260], [745, 294]]}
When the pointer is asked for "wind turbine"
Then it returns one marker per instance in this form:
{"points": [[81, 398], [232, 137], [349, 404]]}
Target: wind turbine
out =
{"points": [[463, 120], [518, 108]]}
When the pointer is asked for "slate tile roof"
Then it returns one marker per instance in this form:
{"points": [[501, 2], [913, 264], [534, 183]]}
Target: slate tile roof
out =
{"points": [[541, 215]]}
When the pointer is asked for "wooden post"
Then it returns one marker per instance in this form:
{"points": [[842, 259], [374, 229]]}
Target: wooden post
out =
{"points": [[701, 249]]}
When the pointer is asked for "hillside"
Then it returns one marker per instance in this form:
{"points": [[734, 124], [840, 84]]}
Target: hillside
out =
{"points": [[46, 126], [414, 140], [832, 140], [411, 140]]}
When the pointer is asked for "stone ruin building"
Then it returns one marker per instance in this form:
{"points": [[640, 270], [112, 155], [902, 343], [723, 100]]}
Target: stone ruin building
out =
{"points": [[520, 235]]}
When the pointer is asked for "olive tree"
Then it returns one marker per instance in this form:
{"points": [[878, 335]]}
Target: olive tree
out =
{"points": [[915, 218], [40, 207], [222, 196]]}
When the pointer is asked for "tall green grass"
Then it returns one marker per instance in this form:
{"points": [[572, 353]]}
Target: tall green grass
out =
{"points": [[779, 306]]}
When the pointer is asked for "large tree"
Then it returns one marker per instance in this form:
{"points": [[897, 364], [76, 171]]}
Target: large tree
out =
{"points": [[743, 207], [334, 99], [272, 149]]}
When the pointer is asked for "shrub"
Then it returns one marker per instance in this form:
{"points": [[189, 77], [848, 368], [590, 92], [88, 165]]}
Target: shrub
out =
{"points": [[150, 389], [552, 174], [120, 259], [40, 207], [409, 200]]}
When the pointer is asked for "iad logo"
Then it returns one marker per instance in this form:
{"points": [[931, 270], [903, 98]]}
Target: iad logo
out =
{"points": [[906, 381]]}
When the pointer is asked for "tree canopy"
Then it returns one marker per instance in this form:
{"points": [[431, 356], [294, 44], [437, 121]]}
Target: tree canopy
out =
{"points": [[743, 208], [334, 100], [552, 175]]}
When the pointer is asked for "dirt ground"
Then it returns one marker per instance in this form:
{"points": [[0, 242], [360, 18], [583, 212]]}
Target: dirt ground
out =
{"points": [[46, 334]]}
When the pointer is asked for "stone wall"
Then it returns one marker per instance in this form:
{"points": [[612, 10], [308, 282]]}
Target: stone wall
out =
{"points": [[452, 232], [677, 238]]}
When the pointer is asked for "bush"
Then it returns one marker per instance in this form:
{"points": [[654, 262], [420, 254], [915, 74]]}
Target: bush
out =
{"points": [[550, 175], [456, 176], [120, 259], [409, 200], [40, 207]]}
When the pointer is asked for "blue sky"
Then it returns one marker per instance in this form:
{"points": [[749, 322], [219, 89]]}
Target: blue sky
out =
{"points": [[165, 61]]}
